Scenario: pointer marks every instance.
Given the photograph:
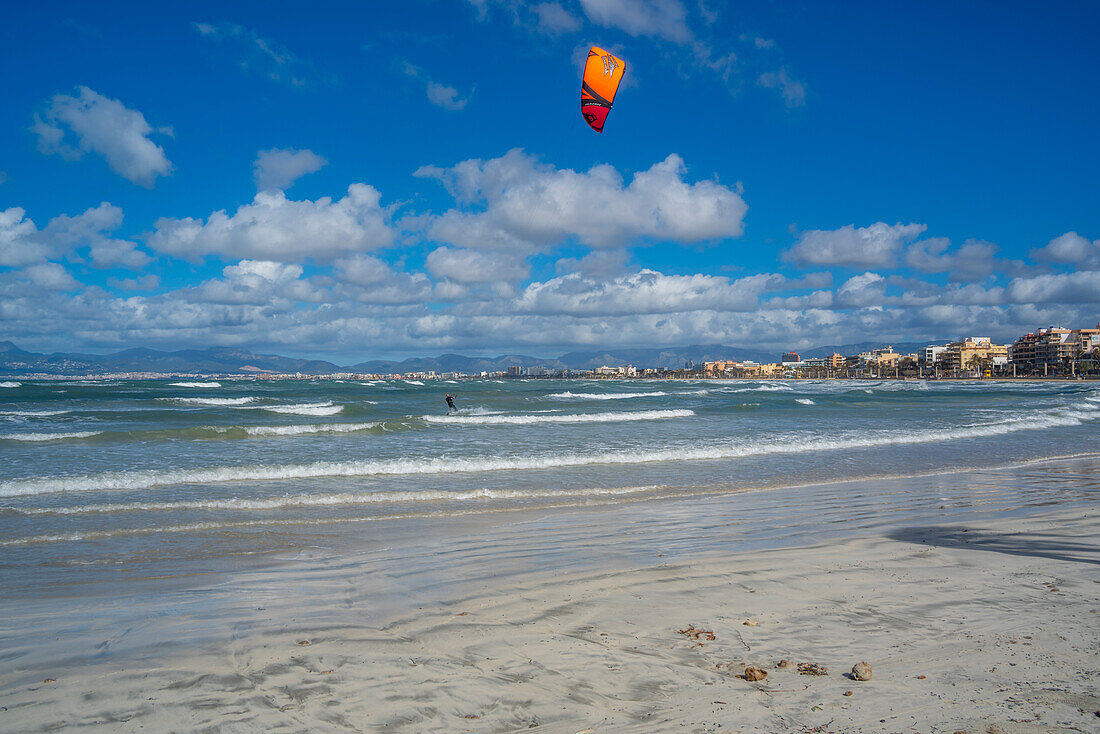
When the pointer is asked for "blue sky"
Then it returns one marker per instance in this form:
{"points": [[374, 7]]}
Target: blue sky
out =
{"points": [[355, 180]]}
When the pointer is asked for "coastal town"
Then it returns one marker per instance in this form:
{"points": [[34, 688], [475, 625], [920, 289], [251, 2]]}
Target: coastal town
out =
{"points": [[1052, 353]]}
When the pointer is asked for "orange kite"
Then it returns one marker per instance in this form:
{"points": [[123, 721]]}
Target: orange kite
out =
{"points": [[602, 74]]}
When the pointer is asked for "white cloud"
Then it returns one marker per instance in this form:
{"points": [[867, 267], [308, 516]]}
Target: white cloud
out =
{"points": [[659, 18], [874, 246], [441, 95], [273, 227], [91, 230], [540, 206], [975, 260], [645, 292], [868, 289], [793, 91], [104, 126], [554, 19], [279, 168], [1068, 288], [763, 42], [446, 97], [258, 54], [368, 279], [50, 277], [258, 283], [469, 266], [19, 244], [144, 283], [1070, 248], [596, 264]]}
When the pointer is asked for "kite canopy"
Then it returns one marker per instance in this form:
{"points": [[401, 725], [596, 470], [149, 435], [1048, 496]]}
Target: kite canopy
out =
{"points": [[602, 74]]}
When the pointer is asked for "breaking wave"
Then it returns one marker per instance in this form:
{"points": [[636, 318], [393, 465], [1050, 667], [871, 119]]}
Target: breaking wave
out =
{"points": [[195, 384], [604, 396], [47, 436], [325, 408], [641, 415], [224, 402], [10, 384], [343, 498], [804, 401], [32, 413], [132, 480]]}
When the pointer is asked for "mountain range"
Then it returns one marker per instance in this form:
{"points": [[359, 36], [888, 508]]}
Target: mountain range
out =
{"points": [[229, 360]]}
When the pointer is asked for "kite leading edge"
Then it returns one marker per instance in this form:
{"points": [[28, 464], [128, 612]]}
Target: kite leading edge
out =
{"points": [[602, 74]]}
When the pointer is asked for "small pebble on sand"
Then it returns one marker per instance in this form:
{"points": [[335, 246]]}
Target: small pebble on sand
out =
{"points": [[749, 623], [847, 693], [786, 663], [861, 671]]}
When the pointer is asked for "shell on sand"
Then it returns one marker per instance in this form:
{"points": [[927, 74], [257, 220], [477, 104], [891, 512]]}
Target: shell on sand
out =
{"points": [[784, 663], [861, 671]]}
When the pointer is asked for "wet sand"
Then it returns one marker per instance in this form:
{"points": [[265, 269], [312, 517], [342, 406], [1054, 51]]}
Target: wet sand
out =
{"points": [[1000, 615]]}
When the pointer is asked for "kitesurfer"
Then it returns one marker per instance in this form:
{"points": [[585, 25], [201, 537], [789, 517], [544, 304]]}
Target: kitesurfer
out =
{"points": [[451, 404]]}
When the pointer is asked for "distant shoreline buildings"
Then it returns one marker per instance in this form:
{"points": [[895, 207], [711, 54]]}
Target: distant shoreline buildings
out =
{"points": [[1053, 352]]}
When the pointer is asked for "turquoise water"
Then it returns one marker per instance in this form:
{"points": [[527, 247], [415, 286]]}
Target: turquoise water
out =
{"points": [[134, 473]]}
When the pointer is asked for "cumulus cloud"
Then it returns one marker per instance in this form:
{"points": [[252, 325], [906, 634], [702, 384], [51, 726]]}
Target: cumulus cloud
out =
{"points": [[793, 91], [596, 264], [50, 277], [104, 126], [645, 292], [368, 279], [1070, 248], [22, 243], [275, 228], [875, 246], [278, 168], [523, 202], [256, 282], [858, 291], [19, 243], [469, 266], [144, 283], [659, 18], [975, 260]]}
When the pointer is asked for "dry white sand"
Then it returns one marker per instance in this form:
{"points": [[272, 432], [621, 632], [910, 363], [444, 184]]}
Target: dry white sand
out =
{"points": [[988, 627]]}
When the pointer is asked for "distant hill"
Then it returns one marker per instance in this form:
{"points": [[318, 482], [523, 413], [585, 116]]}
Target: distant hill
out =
{"points": [[213, 360], [222, 360]]}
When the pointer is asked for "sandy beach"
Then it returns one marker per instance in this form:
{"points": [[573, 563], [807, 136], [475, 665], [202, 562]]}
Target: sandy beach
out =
{"points": [[988, 625]]}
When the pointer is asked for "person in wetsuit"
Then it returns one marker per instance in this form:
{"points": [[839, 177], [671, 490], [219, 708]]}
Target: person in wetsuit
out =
{"points": [[450, 404]]}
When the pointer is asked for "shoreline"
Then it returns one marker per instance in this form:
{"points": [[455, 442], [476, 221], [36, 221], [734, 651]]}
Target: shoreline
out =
{"points": [[483, 623]]}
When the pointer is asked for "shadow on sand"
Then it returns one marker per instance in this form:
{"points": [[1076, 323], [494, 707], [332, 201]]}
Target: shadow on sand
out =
{"points": [[1037, 545]]}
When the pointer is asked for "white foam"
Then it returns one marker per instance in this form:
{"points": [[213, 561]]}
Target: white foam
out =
{"points": [[445, 465], [343, 498], [10, 384], [604, 396], [641, 415], [47, 436], [33, 413], [302, 430], [413, 382], [211, 401], [779, 387], [195, 384], [804, 401], [318, 409]]}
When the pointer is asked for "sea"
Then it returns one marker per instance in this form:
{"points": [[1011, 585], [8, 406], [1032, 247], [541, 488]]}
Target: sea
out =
{"points": [[102, 481]]}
